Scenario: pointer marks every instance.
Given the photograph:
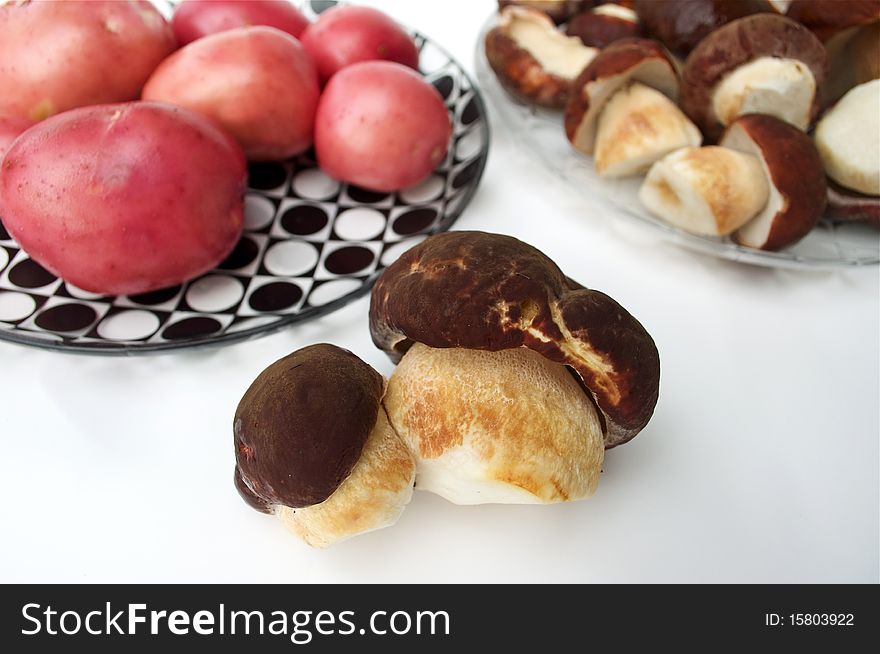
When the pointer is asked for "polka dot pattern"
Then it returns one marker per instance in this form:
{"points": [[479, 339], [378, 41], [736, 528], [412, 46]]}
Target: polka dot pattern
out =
{"points": [[310, 245]]}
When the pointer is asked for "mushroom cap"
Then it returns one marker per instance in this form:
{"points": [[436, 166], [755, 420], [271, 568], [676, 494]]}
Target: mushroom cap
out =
{"points": [[681, 24], [520, 71], [558, 11], [737, 43], [301, 426], [491, 292], [634, 59], [795, 175], [372, 497], [825, 18], [601, 26], [847, 206]]}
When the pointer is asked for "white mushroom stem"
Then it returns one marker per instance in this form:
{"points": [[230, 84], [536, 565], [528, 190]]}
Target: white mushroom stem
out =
{"points": [[616, 11], [637, 127], [848, 139], [506, 427], [558, 54], [784, 88], [780, 5], [710, 191]]}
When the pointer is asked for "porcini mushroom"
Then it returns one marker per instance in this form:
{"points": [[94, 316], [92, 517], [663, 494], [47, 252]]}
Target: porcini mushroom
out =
{"points": [[711, 191], [603, 25], [848, 138], [622, 109], [532, 59], [795, 178], [681, 24], [765, 63], [493, 293], [847, 206], [850, 30], [313, 445], [559, 11]]}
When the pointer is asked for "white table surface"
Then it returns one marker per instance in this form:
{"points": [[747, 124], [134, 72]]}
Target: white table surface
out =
{"points": [[760, 464]]}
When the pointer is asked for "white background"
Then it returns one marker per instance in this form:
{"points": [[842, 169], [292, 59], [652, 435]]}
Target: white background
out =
{"points": [[760, 464]]}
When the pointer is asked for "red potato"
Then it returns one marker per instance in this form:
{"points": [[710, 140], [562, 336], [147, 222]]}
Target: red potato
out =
{"points": [[381, 126], [256, 82], [56, 56], [345, 35], [10, 128], [124, 198], [194, 19]]}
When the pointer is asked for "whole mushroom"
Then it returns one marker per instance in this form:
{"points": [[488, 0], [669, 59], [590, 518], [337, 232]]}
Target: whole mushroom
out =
{"points": [[622, 109], [313, 446], [498, 301], [765, 63]]}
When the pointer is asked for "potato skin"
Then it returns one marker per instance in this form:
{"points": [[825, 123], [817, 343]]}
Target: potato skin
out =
{"points": [[194, 19], [56, 56], [346, 34], [10, 128], [381, 126], [256, 82], [124, 198]]}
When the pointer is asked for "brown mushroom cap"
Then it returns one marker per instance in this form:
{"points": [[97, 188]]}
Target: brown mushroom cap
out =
{"points": [[558, 11], [641, 60], [491, 292], [847, 206], [518, 70], [301, 426], [681, 24], [825, 18], [735, 44], [598, 28], [795, 174]]}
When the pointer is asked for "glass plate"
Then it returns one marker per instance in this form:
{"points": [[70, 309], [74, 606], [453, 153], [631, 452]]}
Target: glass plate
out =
{"points": [[310, 246], [541, 134]]}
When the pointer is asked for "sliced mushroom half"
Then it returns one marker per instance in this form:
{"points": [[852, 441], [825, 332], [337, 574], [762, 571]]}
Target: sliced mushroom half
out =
{"points": [[532, 59], [795, 180]]}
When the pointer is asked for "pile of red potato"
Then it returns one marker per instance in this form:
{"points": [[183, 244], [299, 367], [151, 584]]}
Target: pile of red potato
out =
{"points": [[126, 137], [749, 118]]}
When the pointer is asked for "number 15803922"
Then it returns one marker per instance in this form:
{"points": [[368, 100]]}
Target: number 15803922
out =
{"points": [[809, 620]]}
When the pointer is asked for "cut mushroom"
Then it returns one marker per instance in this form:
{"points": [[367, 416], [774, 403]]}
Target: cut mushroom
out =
{"points": [[784, 86], [828, 18], [850, 30], [681, 24], [532, 59], [780, 5], [848, 138], [764, 63], [711, 191], [622, 108], [558, 11], [847, 206], [637, 127], [794, 174], [603, 25]]}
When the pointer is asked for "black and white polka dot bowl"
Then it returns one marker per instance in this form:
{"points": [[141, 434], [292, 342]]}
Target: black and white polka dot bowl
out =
{"points": [[310, 246]]}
